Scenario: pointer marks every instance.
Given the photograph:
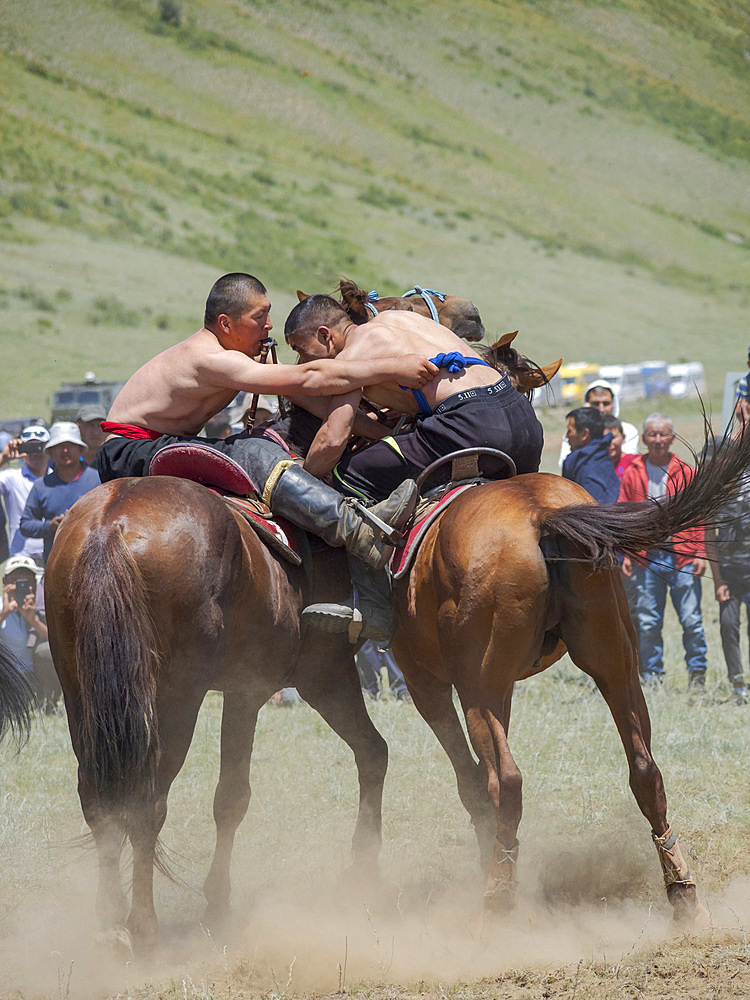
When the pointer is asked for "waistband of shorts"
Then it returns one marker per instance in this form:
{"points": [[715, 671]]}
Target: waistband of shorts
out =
{"points": [[500, 388], [131, 431]]}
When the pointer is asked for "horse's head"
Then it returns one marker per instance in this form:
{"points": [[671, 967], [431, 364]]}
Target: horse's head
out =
{"points": [[525, 375], [462, 317]]}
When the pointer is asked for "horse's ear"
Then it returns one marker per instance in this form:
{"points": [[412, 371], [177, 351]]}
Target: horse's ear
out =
{"points": [[301, 296], [533, 380], [507, 338]]}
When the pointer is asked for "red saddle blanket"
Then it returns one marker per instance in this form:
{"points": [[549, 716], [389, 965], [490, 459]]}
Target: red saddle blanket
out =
{"points": [[228, 480], [427, 513]]}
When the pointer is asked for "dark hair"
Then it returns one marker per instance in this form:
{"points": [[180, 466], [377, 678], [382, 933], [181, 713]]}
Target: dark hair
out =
{"points": [[588, 418], [312, 312], [231, 295], [610, 420]]}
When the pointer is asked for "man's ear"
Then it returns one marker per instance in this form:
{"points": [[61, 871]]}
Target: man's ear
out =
{"points": [[324, 335], [224, 323]]}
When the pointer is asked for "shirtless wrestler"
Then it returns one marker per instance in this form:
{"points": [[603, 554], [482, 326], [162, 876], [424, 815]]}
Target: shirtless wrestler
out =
{"points": [[468, 404], [171, 397]]}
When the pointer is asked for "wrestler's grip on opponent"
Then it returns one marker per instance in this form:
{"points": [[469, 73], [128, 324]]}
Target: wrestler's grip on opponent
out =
{"points": [[418, 370]]}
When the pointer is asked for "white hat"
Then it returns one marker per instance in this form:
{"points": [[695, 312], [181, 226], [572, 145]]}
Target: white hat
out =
{"points": [[62, 431], [34, 432], [19, 562]]}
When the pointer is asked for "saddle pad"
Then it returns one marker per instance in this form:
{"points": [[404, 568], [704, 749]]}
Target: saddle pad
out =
{"points": [[428, 512], [277, 533], [203, 465]]}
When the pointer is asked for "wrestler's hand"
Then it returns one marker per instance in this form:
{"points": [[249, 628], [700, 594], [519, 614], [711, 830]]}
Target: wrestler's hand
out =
{"points": [[417, 371]]}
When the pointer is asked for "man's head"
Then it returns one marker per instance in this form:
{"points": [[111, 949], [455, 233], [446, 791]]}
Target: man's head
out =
{"points": [[66, 447], [613, 426], [31, 445], [585, 424], [600, 397], [20, 572], [315, 327], [658, 435], [237, 311], [89, 419]]}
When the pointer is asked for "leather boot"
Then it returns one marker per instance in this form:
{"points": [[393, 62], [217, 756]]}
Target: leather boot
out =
{"points": [[367, 615], [338, 520]]}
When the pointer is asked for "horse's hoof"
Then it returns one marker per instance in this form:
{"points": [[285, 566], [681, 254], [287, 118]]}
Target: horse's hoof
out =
{"points": [[689, 914], [117, 941], [499, 901]]}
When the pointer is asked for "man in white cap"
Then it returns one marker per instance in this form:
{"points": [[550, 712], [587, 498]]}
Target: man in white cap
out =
{"points": [[23, 627], [16, 483], [67, 482], [89, 419]]}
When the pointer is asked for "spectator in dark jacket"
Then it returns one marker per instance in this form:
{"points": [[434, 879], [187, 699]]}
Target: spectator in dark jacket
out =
{"points": [[588, 463], [52, 496]]}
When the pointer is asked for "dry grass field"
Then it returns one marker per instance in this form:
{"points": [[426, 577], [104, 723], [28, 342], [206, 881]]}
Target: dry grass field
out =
{"points": [[591, 919]]}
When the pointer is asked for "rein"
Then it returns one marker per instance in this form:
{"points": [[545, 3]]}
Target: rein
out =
{"points": [[266, 346], [426, 294]]}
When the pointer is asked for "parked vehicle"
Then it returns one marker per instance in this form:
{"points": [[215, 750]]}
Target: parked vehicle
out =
{"points": [[687, 380], [574, 378], [626, 379], [655, 378], [71, 396]]}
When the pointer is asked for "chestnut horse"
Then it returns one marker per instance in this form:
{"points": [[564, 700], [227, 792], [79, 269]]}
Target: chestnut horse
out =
{"points": [[16, 697], [511, 575], [156, 594], [459, 315]]}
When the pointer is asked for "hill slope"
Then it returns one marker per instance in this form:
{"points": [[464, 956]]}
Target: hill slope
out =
{"points": [[581, 170]]}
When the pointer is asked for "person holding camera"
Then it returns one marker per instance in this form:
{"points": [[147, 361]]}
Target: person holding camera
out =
{"points": [[52, 496], [15, 485], [23, 627]]}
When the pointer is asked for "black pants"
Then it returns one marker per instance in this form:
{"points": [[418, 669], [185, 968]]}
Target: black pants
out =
{"points": [[729, 625], [496, 416], [120, 456]]}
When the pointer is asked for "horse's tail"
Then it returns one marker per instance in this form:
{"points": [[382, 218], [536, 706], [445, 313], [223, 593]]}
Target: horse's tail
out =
{"points": [[117, 663], [600, 531], [16, 697]]}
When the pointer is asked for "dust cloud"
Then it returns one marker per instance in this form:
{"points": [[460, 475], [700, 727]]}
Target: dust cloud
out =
{"points": [[297, 933]]}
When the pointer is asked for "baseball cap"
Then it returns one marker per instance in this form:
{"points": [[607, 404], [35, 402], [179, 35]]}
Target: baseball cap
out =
{"points": [[64, 430], [93, 411], [19, 562], [35, 433]]}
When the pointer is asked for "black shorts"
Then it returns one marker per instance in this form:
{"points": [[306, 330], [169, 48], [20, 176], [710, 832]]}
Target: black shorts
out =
{"points": [[495, 416], [120, 456]]}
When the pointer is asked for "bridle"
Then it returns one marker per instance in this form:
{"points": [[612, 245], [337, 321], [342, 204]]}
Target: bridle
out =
{"points": [[426, 294], [267, 346]]}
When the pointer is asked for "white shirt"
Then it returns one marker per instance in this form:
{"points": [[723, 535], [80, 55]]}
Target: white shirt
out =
{"points": [[15, 486]]}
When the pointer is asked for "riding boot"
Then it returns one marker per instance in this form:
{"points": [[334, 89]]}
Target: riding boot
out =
{"points": [[340, 521], [369, 613]]}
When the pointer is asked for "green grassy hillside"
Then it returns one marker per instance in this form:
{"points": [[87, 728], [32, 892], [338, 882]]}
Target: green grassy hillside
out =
{"points": [[581, 170]]}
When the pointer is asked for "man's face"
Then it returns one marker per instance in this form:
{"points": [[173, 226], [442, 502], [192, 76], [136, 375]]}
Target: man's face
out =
{"points": [[658, 438], [576, 439], [615, 445], [92, 433], [251, 327], [315, 347], [601, 399], [37, 462], [65, 455]]}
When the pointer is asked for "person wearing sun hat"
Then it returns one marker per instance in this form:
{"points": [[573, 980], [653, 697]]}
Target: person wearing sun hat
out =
{"points": [[67, 482], [89, 419], [15, 483], [23, 627]]}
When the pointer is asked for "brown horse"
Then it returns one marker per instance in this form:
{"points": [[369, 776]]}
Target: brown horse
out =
{"points": [[459, 315], [157, 594], [16, 697], [511, 575]]}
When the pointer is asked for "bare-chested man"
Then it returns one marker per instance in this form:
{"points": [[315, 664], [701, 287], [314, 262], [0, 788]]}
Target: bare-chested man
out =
{"points": [[468, 404], [171, 397]]}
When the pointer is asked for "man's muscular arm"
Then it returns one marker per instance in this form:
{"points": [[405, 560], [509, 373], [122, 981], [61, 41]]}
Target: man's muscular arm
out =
{"points": [[330, 441], [316, 378]]}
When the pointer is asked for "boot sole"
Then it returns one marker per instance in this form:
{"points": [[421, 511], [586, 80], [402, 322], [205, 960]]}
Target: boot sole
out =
{"points": [[339, 624]]}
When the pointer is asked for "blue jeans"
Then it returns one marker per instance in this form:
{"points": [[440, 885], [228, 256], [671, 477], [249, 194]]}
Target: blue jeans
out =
{"points": [[653, 581], [370, 660]]}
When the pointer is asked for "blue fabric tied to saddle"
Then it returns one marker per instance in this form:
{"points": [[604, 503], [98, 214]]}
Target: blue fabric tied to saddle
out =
{"points": [[454, 362]]}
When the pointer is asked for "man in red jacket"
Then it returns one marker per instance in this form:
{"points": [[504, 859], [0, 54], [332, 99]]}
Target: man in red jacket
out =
{"points": [[656, 475]]}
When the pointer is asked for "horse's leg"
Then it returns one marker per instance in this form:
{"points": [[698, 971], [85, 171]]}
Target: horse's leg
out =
{"points": [[433, 699], [601, 641], [232, 797], [146, 818], [328, 681]]}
